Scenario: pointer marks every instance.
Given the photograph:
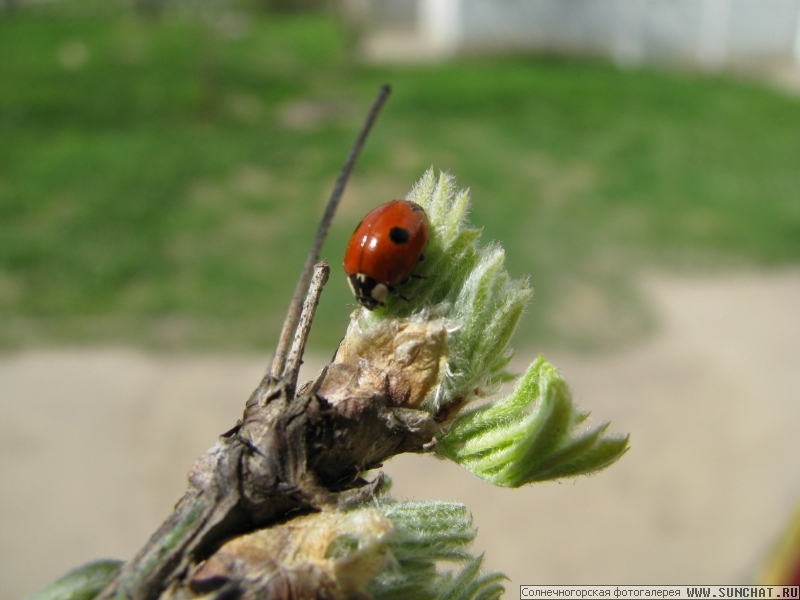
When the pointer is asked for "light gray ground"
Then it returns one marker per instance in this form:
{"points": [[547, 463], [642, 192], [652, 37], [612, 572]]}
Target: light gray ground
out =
{"points": [[95, 445]]}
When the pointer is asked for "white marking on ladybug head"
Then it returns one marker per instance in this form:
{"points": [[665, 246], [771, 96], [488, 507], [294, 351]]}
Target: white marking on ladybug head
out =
{"points": [[380, 292]]}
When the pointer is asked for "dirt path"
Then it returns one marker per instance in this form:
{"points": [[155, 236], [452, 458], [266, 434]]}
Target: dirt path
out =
{"points": [[94, 447]]}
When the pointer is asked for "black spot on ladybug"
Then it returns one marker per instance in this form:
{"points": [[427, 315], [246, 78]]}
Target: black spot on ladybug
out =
{"points": [[399, 235]]}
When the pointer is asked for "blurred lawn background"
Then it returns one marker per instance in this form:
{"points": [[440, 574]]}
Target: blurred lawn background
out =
{"points": [[161, 178]]}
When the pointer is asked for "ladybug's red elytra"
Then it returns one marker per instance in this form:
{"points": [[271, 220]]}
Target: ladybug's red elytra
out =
{"points": [[384, 249]]}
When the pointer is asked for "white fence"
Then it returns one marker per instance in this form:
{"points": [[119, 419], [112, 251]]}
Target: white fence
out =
{"points": [[711, 34]]}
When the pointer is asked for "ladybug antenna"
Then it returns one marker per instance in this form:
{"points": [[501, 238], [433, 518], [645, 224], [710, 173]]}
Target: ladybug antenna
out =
{"points": [[290, 331]]}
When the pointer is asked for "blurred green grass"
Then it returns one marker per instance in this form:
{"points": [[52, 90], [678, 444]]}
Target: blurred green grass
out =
{"points": [[160, 181]]}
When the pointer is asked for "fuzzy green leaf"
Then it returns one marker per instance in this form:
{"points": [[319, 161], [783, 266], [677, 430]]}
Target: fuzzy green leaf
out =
{"points": [[82, 583], [468, 286], [471, 583], [531, 435], [426, 533]]}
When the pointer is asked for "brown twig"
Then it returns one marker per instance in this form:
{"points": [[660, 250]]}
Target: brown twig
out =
{"points": [[295, 306], [291, 453], [318, 281]]}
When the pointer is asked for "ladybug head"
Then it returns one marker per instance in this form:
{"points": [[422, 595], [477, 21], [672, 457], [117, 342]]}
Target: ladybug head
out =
{"points": [[369, 292]]}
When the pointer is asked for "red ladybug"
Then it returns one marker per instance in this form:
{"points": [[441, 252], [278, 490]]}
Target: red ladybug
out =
{"points": [[384, 249]]}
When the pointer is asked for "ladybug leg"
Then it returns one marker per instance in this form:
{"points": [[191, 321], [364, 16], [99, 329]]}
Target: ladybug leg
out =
{"points": [[394, 292], [421, 258], [409, 278]]}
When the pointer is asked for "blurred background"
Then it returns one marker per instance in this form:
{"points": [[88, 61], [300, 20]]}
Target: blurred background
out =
{"points": [[163, 164]]}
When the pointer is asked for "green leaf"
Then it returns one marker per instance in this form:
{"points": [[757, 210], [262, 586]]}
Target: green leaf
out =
{"points": [[471, 583], [535, 433], [82, 583], [531, 435], [425, 534]]}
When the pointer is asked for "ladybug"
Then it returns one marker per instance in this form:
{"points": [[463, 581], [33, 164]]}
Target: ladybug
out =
{"points": [[384, 249]]}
